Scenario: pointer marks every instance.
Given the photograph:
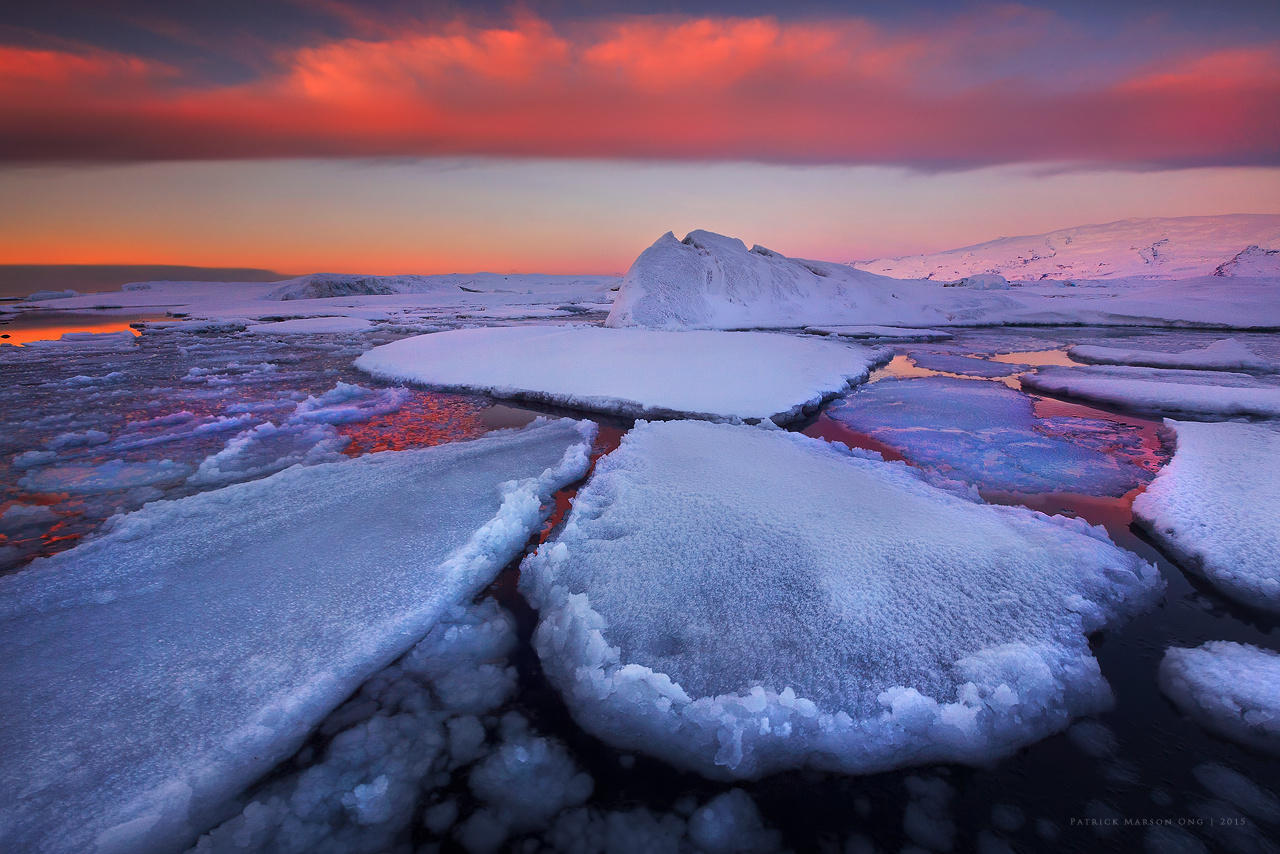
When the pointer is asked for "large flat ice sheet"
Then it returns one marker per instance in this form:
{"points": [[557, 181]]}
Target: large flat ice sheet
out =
{"points": [[740, 600], [154, 672], [632, 372], [1227, 354], [1216, 508], [1206, 395]]}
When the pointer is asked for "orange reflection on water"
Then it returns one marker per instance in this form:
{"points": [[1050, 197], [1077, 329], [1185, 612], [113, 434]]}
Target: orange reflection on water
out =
{"points": [[426, 419], [21, 333], [904, 367], [607, 440], [1036, 358]]}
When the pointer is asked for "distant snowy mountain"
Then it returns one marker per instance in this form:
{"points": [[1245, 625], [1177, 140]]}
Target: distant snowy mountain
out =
{"points": [[326, 285], [1177, 248]]}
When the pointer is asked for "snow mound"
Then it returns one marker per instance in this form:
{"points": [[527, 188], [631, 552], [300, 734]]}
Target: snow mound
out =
{"points": [[711, 281], [631, 372], [1227, 354], [1159, 248], [988, 435], [985, 282], [311, 326], [740, 600], [1232, 689], [1216, 508], [157, 670], [890, 333], [1208, 395]]}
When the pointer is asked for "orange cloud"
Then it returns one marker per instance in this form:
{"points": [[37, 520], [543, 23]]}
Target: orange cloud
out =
{"points": [[840, 90]]}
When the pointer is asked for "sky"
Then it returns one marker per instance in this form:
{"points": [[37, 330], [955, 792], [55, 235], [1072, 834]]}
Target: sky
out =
{"points": [[305, 135]]}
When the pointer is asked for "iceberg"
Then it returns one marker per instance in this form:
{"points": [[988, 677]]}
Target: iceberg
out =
{"points": [[741, 600], [155, 671], [1216, 508], [632, 372]]}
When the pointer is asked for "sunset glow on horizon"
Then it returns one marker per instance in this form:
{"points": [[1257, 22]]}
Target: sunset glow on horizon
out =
{"points": [[334, 136]]}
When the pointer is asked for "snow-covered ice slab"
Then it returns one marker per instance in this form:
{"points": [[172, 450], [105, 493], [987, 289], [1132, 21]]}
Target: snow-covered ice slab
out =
{"points": [[740, 600], [889, 333], [950, 363], [631, 372], [1216, 508], [1208, 395], [154, 672], [1230, 688], [1228, 354], [312, 326], [987, 434]]}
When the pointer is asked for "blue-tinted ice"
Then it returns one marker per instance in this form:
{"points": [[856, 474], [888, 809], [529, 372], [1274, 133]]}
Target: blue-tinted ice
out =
{"points": [[952, 364], [988, 434]]}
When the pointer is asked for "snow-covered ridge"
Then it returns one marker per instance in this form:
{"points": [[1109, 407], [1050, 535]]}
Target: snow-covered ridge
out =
{"points": [[1158, 248], [326, 285]]}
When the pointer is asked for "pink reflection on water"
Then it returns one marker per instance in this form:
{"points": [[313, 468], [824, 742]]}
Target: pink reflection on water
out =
{"points": [[825, 427], [1154, 451]]}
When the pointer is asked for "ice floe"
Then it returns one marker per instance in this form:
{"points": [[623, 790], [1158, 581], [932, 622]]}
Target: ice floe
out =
{"points": [[631, 372], [1207, 395], [199, 640], [988, 434], [889, 333], [1227, 354], [1216, 508], [311, 326], [1230, 688], [740, 600], [950, 363]]}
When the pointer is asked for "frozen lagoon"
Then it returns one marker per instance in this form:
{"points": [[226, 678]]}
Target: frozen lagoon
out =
{"points": [[1114, 765]]}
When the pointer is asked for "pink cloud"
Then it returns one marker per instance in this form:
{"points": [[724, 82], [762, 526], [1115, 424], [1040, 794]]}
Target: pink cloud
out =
{"points": [[842, 90]]}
